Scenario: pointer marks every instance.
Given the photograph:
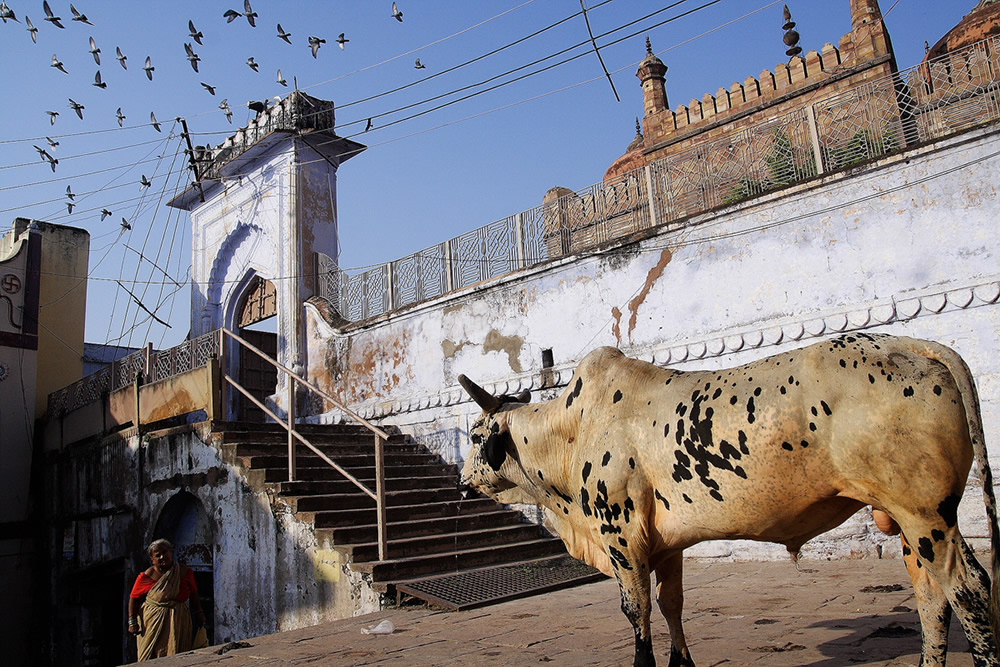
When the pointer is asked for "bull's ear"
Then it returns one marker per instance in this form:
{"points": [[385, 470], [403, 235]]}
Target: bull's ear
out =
{"points": [[523, 397], [485, 399], [496, 449]]}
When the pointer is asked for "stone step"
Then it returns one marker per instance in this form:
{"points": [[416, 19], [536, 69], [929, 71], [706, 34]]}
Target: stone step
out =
{"points": [[391, 570], [496, 516], [407, 548], [332, 486], [347, 461], [351, 446], [336, 501], [325, 472], [366, 515]]}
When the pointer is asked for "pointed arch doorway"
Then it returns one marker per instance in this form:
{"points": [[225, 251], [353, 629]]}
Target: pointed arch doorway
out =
{"points": [[256, 319]]}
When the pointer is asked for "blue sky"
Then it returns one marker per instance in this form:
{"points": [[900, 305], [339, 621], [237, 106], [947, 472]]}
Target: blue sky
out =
{"points": [[422, 180]]}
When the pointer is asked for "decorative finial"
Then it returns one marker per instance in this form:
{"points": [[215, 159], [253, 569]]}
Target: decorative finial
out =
{"points": [[791, 38], [638, 128], [649, 47], [927, 47]]}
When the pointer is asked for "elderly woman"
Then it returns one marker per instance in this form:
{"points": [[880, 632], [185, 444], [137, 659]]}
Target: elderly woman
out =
{"points": [[164, 625]]}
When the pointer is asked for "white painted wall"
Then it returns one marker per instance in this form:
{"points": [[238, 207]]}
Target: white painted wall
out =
{"points": [[907, 246]]}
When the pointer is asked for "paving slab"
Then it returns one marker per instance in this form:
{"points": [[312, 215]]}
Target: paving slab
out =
{"points": [[820, 614]]}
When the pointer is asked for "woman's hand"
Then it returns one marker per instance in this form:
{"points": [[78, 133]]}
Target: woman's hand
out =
{"points": [[133, 626], [199, 617]]}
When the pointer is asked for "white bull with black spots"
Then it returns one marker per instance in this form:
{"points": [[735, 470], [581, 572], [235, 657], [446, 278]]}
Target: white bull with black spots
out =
{"points": [[634, 463]]}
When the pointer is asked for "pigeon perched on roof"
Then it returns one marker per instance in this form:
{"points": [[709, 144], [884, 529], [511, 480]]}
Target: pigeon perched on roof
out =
{"points": [[77, 107], [77, 16], [148, 67], [284, 35], [396, 14], [194, 33], [58, 64], [121, 57], [192, 57], [258, 106], [315, 43], [50, 17], [94, 51]]}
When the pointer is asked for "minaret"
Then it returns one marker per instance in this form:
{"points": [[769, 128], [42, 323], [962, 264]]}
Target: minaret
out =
{"points": [[870, 37], [652, 74]]}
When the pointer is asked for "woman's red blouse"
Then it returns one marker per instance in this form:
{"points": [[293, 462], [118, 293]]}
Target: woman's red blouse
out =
{"points": [[144, 583]]}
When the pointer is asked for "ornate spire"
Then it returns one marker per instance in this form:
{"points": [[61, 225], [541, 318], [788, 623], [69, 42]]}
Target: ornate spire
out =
{"points": [[791, 38]]}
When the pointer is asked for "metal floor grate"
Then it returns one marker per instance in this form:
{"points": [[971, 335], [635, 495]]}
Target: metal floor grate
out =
{"points": [[479, 588]]}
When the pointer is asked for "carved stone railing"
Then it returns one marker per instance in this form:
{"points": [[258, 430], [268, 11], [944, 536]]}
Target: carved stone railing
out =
{"points": [[933, 100], [150, 365]]}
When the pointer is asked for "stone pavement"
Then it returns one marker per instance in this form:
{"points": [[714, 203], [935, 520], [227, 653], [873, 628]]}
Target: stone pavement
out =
{"points": [[826, 613]]}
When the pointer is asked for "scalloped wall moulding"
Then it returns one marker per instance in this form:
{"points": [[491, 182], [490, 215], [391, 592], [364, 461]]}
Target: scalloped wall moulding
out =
{"points": [[879, 314]]}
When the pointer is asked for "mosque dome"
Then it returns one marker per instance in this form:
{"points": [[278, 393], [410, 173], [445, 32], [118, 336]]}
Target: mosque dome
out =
{"points": [[982, 22]]}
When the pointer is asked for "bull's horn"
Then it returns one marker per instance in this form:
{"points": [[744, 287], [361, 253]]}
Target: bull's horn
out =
{"points": [[485, 399]]}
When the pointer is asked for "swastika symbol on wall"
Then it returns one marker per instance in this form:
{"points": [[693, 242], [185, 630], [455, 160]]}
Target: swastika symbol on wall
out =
{"points": [[11, 284]]}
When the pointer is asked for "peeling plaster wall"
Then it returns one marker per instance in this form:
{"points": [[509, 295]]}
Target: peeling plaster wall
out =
{"points": [[907, 246]]}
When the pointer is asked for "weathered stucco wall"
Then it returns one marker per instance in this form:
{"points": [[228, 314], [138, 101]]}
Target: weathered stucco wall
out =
{"points": [[907, 246]]}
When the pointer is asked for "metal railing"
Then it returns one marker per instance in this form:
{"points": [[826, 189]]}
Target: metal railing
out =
{"points": [[294, 381], [931, 101]]}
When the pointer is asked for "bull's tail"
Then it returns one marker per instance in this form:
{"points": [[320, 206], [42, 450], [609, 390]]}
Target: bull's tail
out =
{"points": [[970, 398]]}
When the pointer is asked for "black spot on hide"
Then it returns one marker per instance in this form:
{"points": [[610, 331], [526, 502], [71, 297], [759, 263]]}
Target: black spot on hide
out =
{"points": [[787, 445], [586, 470], [937, 389], [826, 408], [937, 535], [617, 397], [618, 559], [541, 476], [631, 463], [622, 541], [606, 459], [687, 499], [659, 496], [751, 418], [948, 509], [871, 378], [926, 549], [585, 501], [907, 392], [575, 393]]}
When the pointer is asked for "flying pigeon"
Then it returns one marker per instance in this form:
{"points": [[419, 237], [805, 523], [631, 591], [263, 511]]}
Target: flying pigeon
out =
{"points": [[32, 30], [368, 125], [98, 82], [194, 34], [42, 153], [341, 40], [94, 51], [156, 124], [281, 79], [52, 142], [231, 14], [77, 16], [284, 35], [315, 43], [224, 105], [259, 107], [396, 14], [58, 64], [120, 116], [192, 57], [144, 182], [7, 13], [52, 117], [52, 163], [210, 89], [149, 69], [69, 192], [77, 107], [50, 17], [121, 57], [419, 65], [104, 214], [69, 208], [254, 66], [125, 225]]}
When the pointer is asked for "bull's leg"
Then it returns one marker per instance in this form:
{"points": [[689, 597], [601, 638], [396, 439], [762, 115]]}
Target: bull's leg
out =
{"points": [[943, 553], [633, 582], [670, 597], [933, 607]]}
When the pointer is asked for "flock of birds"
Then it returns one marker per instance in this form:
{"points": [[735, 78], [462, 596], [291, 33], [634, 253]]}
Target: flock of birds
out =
{"points": [[46, 155]]}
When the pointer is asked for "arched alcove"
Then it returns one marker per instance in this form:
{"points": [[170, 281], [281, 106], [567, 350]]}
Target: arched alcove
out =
{"points": [[185, 523]]}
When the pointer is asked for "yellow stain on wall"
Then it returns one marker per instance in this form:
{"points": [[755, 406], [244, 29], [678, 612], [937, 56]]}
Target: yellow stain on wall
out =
{"points": [[326, 565]]}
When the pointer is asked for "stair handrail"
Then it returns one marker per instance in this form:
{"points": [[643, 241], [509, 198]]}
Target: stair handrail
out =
{"points": [[378, 495]]}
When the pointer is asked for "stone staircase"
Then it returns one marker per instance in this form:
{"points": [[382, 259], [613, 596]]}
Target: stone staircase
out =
{"points": [[432, 530]]}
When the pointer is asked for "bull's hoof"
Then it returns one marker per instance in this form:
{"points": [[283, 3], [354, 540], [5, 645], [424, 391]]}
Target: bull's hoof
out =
{"points": [[644, 653], [680, 659]]}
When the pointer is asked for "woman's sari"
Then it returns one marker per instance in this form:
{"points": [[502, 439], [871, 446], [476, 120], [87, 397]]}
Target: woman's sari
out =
{"points": [[166, 622]]}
